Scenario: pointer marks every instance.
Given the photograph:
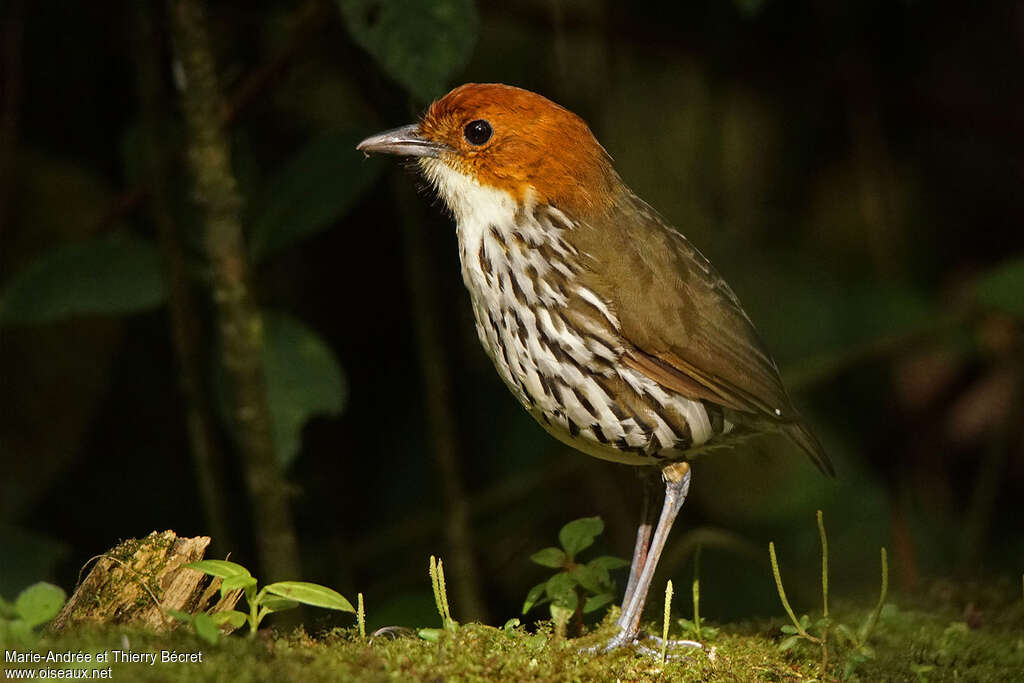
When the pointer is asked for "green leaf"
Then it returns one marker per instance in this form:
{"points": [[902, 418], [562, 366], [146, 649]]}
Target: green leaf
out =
{"points": [[21, 631], [561, 588], [846, 632], [535, 597], [590, 579], [561, 613], [206, 628], [273, 603], [788, 643], [221, 568], [183, 617], [230, 583], [1003, 287], [39, 603], [6, 609], [596, 602], [310, 594], [108, 275], [788, 629], [231, 616], [608, 562], [313, 190], [419, 44], [579, 534], [431, 635], [550, 557], [303, 379]]}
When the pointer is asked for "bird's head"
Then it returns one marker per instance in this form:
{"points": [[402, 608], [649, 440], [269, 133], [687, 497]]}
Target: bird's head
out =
{"points": [[507, 139]]}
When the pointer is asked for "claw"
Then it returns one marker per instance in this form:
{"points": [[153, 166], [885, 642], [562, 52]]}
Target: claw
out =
{"points": [[623, 639]]}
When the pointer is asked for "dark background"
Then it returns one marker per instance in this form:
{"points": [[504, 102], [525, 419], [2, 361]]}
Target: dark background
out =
{"points": [[854, 169]]}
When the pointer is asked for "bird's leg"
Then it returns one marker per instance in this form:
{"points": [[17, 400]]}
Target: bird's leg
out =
{"points": [[643, 532], [677, 484]]}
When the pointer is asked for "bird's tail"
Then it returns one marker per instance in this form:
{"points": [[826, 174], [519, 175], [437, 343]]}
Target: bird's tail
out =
{"points": [[809, 444]]}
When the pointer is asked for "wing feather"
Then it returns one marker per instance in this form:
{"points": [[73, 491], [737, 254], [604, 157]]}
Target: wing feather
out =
{"points": [[683, 325]]}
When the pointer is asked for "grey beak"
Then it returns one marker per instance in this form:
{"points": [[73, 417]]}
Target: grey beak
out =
{"points": [[404, 141]]}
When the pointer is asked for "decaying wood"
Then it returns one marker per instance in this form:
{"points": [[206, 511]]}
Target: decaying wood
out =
{"points": [[138, 581]]}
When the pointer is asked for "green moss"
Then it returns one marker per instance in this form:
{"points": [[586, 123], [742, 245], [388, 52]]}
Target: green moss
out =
{"points": [[927, 639]]}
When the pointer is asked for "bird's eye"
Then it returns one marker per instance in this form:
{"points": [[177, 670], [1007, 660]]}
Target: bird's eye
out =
{"points": [[477, 132]]}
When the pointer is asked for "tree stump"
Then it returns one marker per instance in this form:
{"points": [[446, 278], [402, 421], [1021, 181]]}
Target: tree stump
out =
{"points": [[137, 581]]}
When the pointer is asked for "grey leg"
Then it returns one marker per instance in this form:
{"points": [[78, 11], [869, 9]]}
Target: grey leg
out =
{"points": [[643, 532], [677, 485]]}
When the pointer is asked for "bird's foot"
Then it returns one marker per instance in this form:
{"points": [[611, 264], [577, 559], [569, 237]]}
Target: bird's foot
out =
{"points": [[639, 641]]}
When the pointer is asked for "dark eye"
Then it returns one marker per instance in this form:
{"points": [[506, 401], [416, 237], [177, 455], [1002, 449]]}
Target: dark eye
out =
{"points": [[477, 132]]}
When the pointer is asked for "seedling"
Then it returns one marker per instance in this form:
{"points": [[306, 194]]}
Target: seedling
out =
{"points": [[577, 588], [664, 622], [34, 606], [818, 632], [361, 616], [440, 601], [275, 597], [696, 628]]}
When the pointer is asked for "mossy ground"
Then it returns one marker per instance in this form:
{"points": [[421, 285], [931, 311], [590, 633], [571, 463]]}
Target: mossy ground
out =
{"points": [[920, 641]]}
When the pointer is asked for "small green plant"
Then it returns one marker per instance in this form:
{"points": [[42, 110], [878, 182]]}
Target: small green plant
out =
{"points": [[577, 588], [696, 628], [34, 606], [275, 597], [440, 601], [361, 616], [664, 621], [856, 643]]}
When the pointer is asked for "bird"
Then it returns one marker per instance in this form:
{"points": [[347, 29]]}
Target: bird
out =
{"points": [[610, 328]]}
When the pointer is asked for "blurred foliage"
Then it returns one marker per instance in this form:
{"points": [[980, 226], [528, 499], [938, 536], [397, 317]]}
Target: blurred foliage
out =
{"points": [[34, 606], [579, 587], [849, 168], [107, 275], [1003, 288], [419, 44], [303, 380], [311, 192]]}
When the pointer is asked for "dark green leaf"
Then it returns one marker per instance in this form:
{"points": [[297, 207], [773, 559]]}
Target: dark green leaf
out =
{"points": [[183, 617], [206, 628], [272, 603], [310, 594], [107, 275], [230, 583], [39, 603], [419, 44], [608, 562], [596, 602], [21, 631], [579, 534], [535, 597], [590, 578], [7, 609], [231, 616], [1003, 287], [312, 191], [789, 642], [549, 557], [561, 588], [303, 379]]}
